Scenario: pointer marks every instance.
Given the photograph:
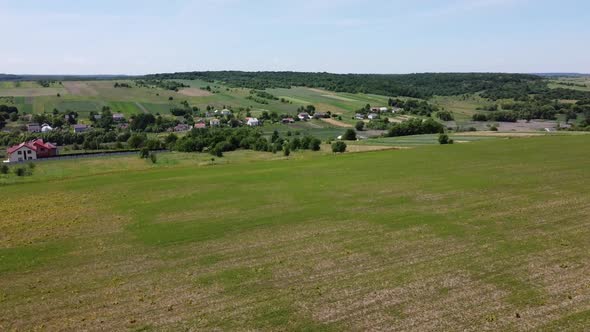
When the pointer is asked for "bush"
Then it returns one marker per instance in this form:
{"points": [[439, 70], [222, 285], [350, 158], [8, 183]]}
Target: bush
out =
{"points": [[443, 139], [286, 151], [4, 169], [153, 158], [339, 147], [315, 144], [144, 153], [23, 171], [359, 126], [494, 128], [349, 135]]}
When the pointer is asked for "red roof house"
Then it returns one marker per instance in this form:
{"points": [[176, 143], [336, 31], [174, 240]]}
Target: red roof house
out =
{"points": [[31, 150]]}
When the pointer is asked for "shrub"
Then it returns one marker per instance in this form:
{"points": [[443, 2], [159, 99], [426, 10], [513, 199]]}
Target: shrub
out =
{"points": [[315, 144], [349, 135], [153, 158], [339, 147], [494, 128], [144, 153], [4, 169], [359, 126], [22, 171], [286, 151], [443, 139]]}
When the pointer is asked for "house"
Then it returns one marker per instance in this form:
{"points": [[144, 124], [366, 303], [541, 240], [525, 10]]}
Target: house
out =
{"points": [[97, 116], [374, 109], [359, 116], [396, 109], [31, 151], [200, 125], [373, 116], [252, 122], [383, 109], [80, 128], [182, 127], [46, 128], [225, 112], [303, 116], [215, 123], [288, 120], [118, 117], [321, 115], [33, 128]]}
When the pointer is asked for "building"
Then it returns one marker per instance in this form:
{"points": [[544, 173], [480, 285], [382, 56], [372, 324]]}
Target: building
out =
{"points": [[287, 120], [383, 109], [321, 115], [80, 128], [373, 116], [200, 125], [33, 128], [303, 116], [182, 127], [214, 123], [225, 112], [253, 122], [32, 150], [46, 128], [359, 116], [118, 117]]}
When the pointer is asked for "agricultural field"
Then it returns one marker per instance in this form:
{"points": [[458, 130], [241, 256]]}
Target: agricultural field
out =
{"points": [[576, 83], [490, 235]]}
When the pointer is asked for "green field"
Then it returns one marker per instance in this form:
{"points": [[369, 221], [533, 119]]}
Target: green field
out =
{"points": [[490, 235]]}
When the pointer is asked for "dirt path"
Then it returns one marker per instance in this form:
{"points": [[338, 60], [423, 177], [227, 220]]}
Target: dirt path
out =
{"points": [[142, 108], [337, 123]]}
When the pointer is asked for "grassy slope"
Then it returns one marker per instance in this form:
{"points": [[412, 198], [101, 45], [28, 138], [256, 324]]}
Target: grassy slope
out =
{"points": [[436, 238]]}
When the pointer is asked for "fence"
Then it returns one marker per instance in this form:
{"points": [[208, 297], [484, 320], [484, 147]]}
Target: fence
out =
{"points": [[86, 155]]}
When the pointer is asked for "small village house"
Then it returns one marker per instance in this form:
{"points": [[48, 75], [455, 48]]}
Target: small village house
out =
{"points": [[359, 116], [46, 128], [182, 127], [200, 125], [303, 116], [80, 128], [373, 116], [252, 122], [118, 117], [33, 128], [32, 150], [287, 120], [214, 123]]}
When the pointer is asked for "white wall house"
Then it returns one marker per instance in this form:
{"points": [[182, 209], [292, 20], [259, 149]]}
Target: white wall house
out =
{"points": [[253, 122], [22, 152]]}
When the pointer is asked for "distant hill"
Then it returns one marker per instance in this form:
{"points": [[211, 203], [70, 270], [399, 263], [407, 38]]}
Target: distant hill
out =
{"points": [[11, 77], [562, 74]]}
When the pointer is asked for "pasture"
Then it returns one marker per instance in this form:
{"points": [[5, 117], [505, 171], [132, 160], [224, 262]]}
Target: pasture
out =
{"points": [[491, 235]]}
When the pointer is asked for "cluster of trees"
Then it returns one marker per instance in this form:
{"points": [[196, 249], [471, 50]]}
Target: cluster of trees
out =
{"points": [[415, 127], [163, 84], [263, 94], [412, 106], [411, 85], [500, 116], [46, 83], [21, 170], [7, 113], [122, 85], [445, 115], [220, 140]]}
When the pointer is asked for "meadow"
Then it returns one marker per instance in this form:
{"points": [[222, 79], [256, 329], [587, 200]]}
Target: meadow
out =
{"points": [[489, 235]]}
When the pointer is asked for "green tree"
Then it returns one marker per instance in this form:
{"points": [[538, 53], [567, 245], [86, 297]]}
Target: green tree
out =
{"points": [[359, 126], [349, 135], [338, 147]]}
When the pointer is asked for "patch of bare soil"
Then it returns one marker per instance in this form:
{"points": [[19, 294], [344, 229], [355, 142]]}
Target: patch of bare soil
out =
{"points": [[194, 92], [80, 88], [337, 123]]}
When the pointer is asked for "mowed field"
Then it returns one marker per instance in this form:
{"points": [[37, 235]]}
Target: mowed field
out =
{"points": [[490, 235]]}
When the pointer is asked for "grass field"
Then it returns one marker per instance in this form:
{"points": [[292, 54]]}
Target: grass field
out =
{"points": [[491, 235]]}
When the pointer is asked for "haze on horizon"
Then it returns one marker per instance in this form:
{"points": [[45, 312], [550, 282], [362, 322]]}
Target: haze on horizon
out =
{"points": [[341, 36]]}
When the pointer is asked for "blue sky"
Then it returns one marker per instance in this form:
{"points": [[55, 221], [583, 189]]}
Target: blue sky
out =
{"points": [[342, 36]]}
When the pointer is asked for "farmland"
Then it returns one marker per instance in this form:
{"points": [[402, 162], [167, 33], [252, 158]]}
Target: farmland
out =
{"points": [[474, 240]]}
